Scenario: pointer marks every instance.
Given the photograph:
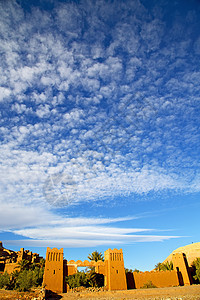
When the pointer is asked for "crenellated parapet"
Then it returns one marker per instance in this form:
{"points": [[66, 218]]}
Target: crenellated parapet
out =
{"points": [[85, 263]]}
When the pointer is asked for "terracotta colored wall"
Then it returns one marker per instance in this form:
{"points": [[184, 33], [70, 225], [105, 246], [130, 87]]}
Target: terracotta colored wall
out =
{"points": [[10, 267], [115, 278], [54, 273], [180, 264], [159, 279], [70, 270], [100, 269]]}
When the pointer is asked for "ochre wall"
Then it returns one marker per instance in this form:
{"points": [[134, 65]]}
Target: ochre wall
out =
{"points": [[159, 279], [115, 278], [54, 273], [10, 267], [180, 264], [100, 268], [70, 270]]}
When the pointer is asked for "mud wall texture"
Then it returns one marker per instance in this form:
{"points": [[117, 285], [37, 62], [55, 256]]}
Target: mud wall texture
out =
{"points": [[159, 279]]}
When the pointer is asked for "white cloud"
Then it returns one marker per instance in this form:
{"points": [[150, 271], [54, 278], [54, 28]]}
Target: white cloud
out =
{"points": [[98, 101], [4, 93], [101, 107], [43, 228], [81, 242]]}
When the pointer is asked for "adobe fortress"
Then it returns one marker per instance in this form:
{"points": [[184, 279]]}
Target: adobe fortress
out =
{"points": [[9, 259], [56, 269]]}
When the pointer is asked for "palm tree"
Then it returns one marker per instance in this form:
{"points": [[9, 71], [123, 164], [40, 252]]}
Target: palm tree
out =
{"points": [[96, 256], [23, 265], [41, 263], [96, 279], [168, 266]]}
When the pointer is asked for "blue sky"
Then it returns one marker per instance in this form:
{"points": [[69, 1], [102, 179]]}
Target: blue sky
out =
{"points": [[100, 139]]}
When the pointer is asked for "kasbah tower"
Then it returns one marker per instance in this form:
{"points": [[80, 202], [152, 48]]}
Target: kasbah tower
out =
{"points": [[57, 268]]}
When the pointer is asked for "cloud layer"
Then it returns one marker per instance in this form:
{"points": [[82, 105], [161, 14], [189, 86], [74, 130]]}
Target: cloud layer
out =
{"points": [[98, 99]]}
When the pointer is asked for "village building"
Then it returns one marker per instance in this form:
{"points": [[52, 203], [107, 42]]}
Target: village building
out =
{"points": [[9, 259]]}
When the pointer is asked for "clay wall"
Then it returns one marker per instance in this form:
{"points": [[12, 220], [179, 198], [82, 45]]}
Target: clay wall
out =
{"points": [[20, 254], [71, 269], [159, 279], [100, 269], [54, 271], [181, 266], [10, 267]]}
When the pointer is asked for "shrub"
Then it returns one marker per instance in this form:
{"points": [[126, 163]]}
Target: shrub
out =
{"points": [[96, 279], [85, 279], [25, 280], [38, 272], [148, 285], [4, 280], [196, 264], [78, 279]]}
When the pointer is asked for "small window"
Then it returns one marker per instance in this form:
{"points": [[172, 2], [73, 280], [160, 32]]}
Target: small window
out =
{"points": [[54, 271], [117, 271]]}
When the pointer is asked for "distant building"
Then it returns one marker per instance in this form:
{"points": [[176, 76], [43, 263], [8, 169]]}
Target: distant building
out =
{"points": [[9, 259]]}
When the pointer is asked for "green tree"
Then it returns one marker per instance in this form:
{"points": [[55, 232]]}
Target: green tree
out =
{"points": [[26, 280], [78, 279], [41, 263], [38, 269], [130, 270], [13, 278], [96, 256], [85, 279], [4, 280], [196, 265], [96, 279], [136, 270], [23, 265], [168, 266]]}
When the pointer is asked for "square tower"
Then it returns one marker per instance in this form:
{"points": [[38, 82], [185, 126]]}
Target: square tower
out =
{"points": [[115, 277], [53, 272]]}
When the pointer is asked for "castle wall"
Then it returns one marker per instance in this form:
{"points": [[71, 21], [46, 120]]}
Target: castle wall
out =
{"points": [[159, 279], [10, 267], [100, 269], [181, 266], [71, 270]]}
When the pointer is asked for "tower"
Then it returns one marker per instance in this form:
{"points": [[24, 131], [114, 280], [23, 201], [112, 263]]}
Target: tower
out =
{"points": [[115, 277], [53, 272]]}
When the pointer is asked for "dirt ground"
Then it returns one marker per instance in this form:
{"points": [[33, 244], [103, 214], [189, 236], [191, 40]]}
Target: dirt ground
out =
{"points": [[14, 295], [173, 293]]}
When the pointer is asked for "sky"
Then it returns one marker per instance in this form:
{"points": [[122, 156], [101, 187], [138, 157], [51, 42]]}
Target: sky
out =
{"points": [[100, 127]]}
